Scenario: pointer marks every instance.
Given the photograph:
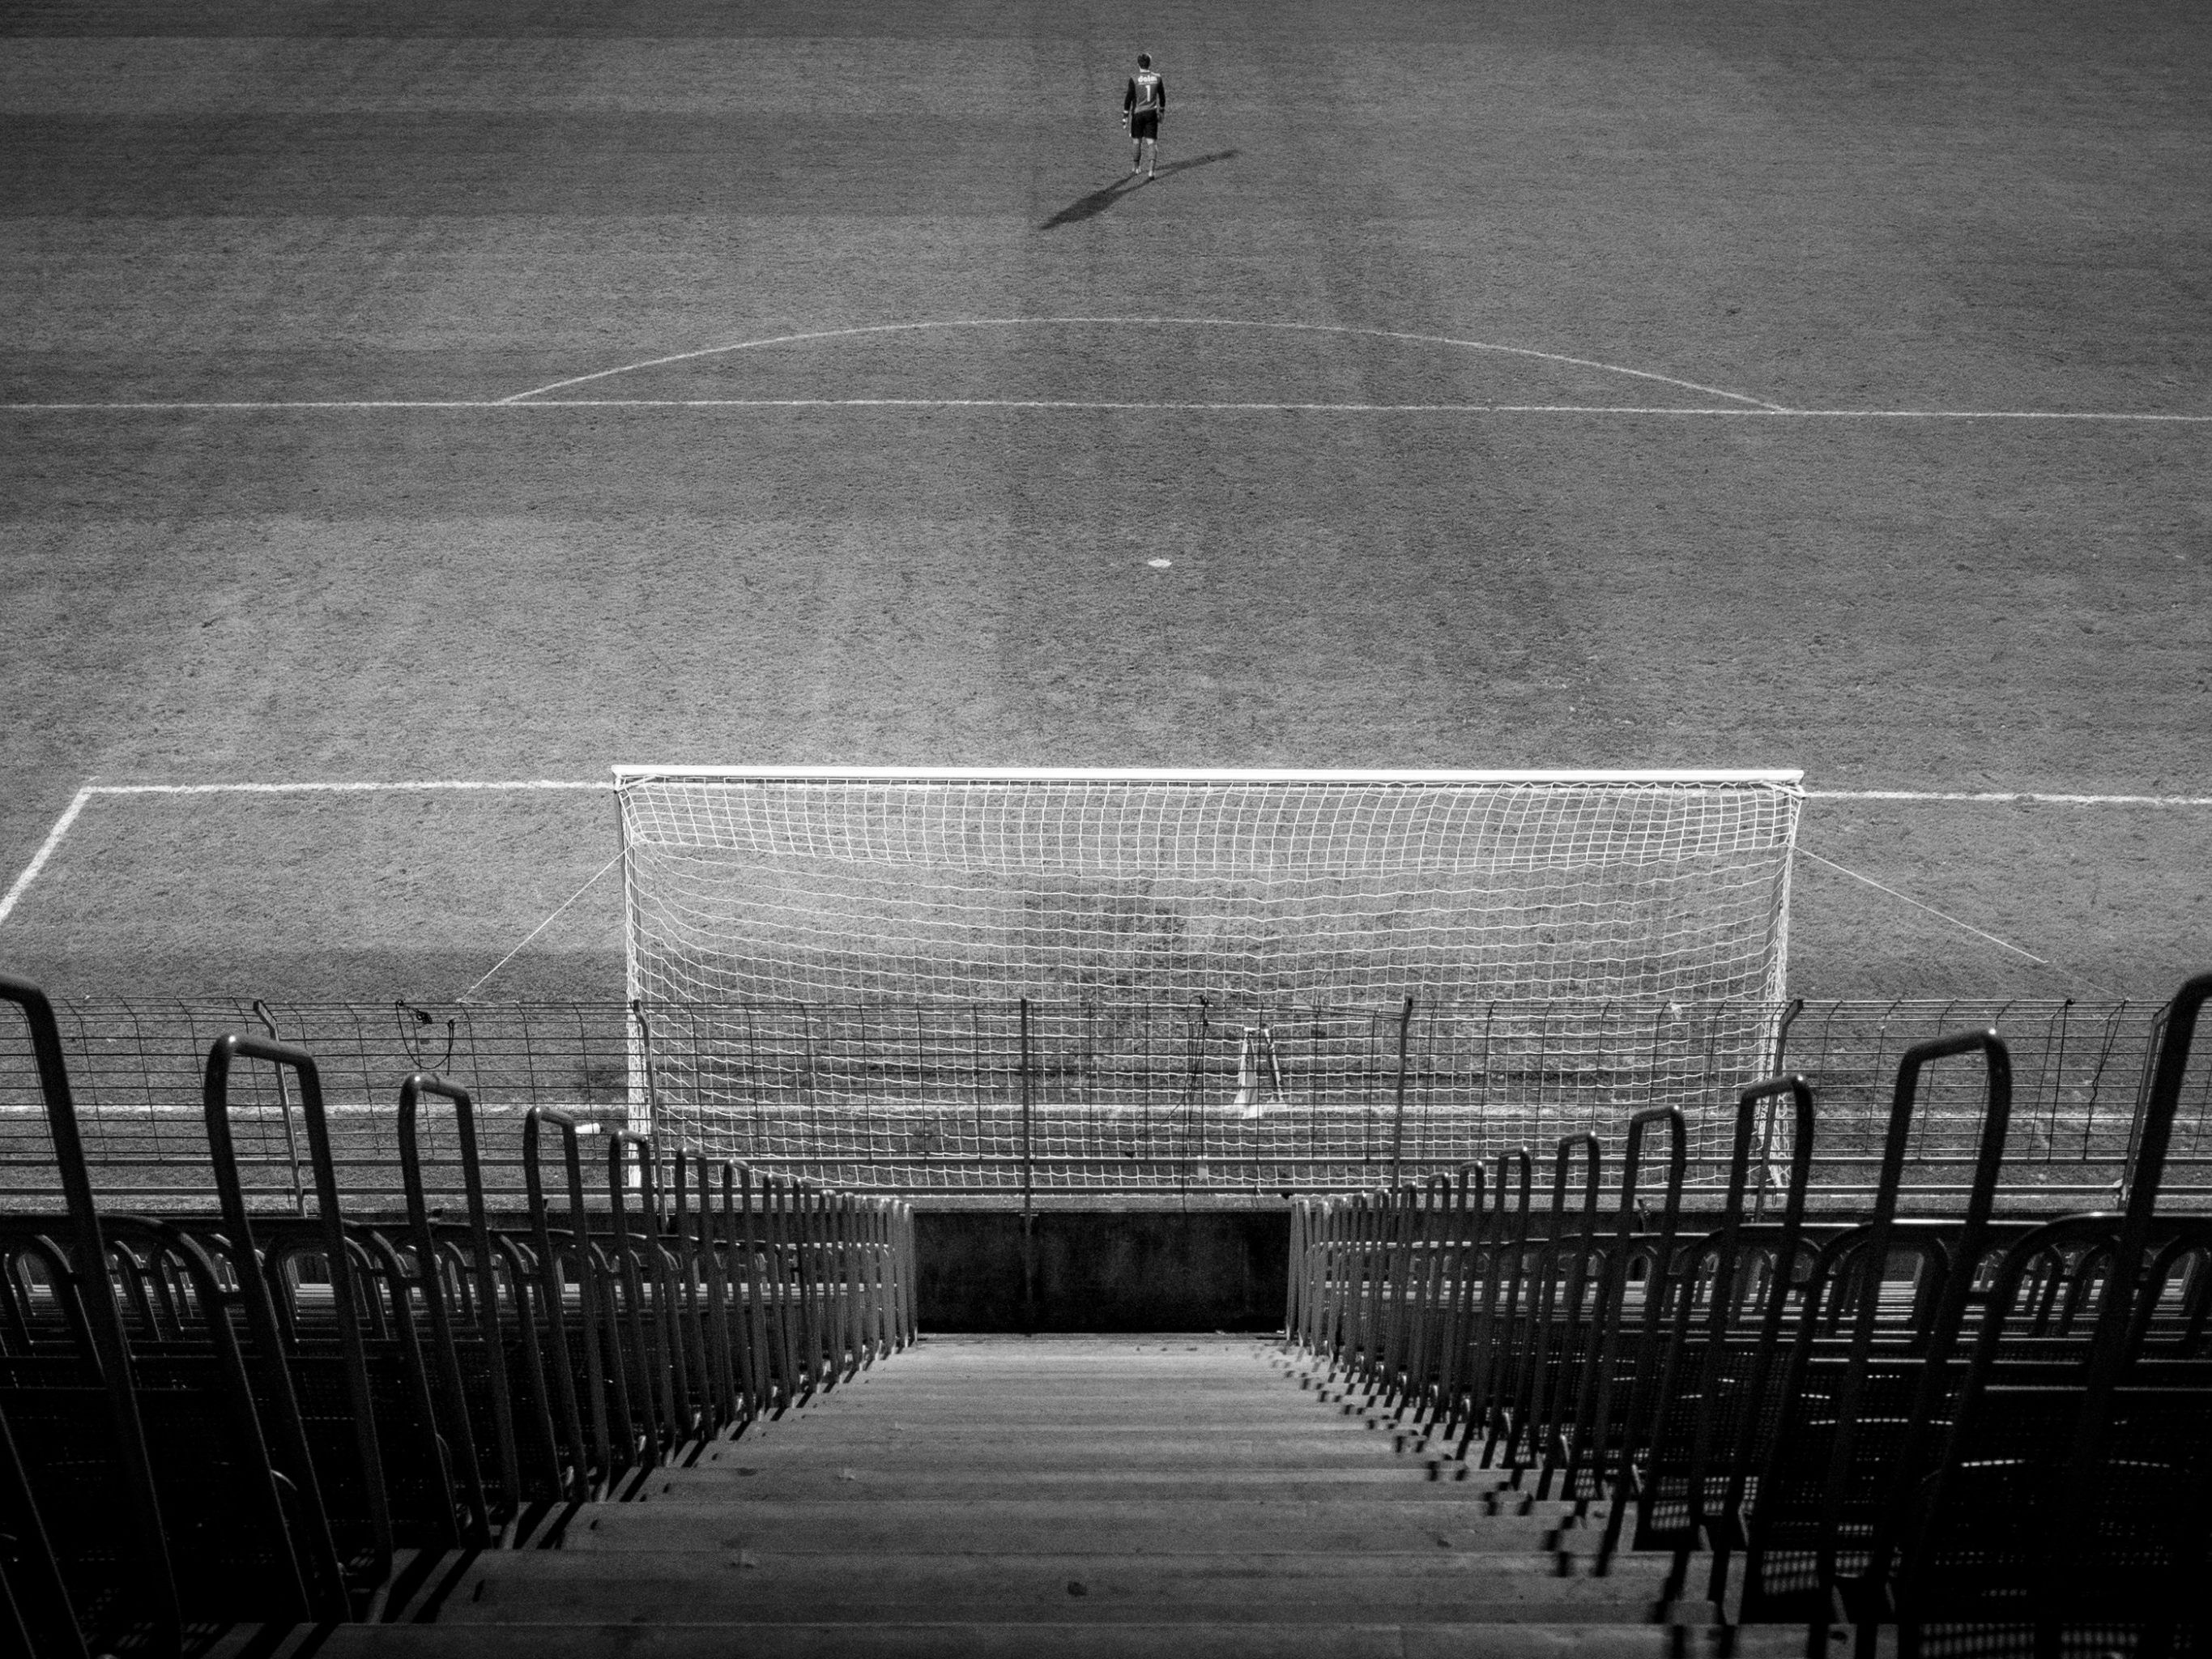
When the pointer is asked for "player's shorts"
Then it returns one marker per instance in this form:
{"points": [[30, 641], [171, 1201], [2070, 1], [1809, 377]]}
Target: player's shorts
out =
{"points": [[1144, 124]]}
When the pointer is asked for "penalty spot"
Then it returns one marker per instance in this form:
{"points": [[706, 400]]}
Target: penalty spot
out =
{"points": [[1161, 564]]}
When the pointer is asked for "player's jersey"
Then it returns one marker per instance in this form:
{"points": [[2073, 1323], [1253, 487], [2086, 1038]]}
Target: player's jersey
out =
{"points": [[1147, 93]]}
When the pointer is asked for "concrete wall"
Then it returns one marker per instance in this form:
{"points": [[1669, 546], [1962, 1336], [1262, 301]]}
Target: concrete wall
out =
{"points": [[1103, 1271]]}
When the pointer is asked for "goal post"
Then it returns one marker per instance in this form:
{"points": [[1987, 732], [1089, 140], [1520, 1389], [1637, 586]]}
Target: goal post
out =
{"points": [[822, 896]]}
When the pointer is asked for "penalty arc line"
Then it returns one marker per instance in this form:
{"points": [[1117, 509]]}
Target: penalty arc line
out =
{"points": [[1139, 322]]}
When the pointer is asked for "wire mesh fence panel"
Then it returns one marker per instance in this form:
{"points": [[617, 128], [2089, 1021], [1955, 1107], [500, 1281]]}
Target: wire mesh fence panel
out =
{"points": [[1243, 1101], [2189, 1157], [1113, 1096], [2078, 1069], [136, 1072]]}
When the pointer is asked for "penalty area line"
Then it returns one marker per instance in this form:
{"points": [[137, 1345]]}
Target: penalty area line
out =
{"points": [[342, 787], [23, 883], [2000, 796], [530, 400], [83, 797]]}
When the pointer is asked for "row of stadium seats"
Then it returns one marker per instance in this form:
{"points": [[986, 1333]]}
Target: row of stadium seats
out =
{"points": [[246, 1417], [1987, 1434]]}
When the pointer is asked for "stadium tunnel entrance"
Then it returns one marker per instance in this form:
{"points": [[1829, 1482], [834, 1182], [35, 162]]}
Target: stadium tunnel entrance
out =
{"points": [[1058, 1271]]}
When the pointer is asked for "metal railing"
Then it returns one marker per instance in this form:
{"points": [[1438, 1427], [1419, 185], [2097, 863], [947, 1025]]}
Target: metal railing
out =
{"points": [[220, 1416], [1989, 1431], [1010, 1100]]}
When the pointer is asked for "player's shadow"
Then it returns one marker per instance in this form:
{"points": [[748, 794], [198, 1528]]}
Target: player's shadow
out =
{"points": [[1090, 206]]}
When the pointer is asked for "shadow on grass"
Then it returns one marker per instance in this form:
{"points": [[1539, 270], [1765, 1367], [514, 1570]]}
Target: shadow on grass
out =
{"points": [[1090, 206]]}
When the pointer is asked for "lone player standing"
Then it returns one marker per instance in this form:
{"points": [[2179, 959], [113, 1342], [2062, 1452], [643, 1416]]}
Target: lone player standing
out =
{"points": [[1142, 106]]}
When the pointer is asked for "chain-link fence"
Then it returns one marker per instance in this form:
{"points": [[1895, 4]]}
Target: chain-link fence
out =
{"points": [[1065, 1099]]}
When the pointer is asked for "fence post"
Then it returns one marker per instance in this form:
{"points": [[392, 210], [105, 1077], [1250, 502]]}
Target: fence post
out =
{"points": [[644, 1091], [1028, 1182], [1029, 1110], [1398, 1122], [262, 1013], [1766, 1178]]}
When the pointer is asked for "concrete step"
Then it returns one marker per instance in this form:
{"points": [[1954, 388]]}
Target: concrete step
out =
{"points": [[1074, 1453], [1131, 1640], [1035, 1358], [905, 1417], [1119, 1405], [1270, 1397], [1088, 1498], [1262, 1389], [865, 1481], [1085, 1342], [1060, 1526], [1272, 1403], [773, 1587], [1219, 1371], [1352, 1438], [1026, 1353], [1215, 1373], [1265, 1394], [793, 1434], [1377, 1436]]}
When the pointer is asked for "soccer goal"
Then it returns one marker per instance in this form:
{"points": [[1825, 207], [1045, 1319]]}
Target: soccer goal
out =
{"points": [[922, 976]]}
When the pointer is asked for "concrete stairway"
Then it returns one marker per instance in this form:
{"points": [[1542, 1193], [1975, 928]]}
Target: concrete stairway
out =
{"points": [[1088, 1496]]}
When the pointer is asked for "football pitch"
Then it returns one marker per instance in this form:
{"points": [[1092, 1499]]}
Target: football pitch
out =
{"points": [[480, 395]]}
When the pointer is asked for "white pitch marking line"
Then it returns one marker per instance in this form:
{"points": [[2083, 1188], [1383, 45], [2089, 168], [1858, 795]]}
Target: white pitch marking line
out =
{"points": [[268, 1113], [297, 402], [83, 797], [340, 787], [2002, 795], [1990, 415], [2107, 417], [1136, 322], [46, 851]]}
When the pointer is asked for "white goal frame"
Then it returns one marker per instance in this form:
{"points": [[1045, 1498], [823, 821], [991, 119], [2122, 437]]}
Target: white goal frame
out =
{"points": [[1778, 849]]}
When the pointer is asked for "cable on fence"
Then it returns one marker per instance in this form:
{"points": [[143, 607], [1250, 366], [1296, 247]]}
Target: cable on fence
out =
{"points": [[541, 927], [1945, 916]]}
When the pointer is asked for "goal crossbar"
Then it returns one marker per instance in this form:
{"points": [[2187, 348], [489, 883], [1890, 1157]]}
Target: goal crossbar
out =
{"points": [[1779, 777]]}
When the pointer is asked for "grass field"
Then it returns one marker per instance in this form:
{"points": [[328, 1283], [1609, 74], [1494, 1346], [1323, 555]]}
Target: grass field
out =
{"points": [[1599, 384]]}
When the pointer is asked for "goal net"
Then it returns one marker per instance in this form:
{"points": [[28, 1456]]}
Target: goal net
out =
{"points": [[879, 970]]}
